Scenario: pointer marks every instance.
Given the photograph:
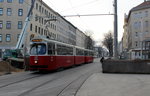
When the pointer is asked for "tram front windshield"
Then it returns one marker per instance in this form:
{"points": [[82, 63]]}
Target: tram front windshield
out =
{"points": [[38, 49]]}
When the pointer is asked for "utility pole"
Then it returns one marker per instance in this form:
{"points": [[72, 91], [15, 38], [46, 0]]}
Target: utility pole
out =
{"points": [[115, 30]]}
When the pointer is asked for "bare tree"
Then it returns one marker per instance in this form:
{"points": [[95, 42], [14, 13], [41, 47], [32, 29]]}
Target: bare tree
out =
{"points": [[108, 42]]}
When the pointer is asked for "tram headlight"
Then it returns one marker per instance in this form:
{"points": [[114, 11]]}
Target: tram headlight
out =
{"points": [[35, 62]]}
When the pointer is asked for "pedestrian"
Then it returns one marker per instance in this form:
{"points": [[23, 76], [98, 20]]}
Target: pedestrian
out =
{"points": [[102, 60]]}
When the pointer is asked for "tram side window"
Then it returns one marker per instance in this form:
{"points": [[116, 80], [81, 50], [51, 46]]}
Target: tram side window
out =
{"points": [[69, 51], [79, 52], [64, 50], [86, 53], [60, 50], [51, 49]]}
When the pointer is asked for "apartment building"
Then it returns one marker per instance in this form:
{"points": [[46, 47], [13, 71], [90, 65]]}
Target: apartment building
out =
{"points": [[44, 21], [137, 31]]}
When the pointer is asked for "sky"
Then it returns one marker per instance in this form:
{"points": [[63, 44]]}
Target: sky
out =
{"points": [[98, 25]]}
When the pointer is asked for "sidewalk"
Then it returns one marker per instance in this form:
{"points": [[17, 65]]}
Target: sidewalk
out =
{"points": [[100, 84]]}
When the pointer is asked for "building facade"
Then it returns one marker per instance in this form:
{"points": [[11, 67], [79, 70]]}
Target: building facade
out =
{"points": [[137, 31], [81, 38], [11, 22], [43, 21]]}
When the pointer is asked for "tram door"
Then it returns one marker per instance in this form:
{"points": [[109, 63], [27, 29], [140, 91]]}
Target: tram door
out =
{"points": [[52, 56]]}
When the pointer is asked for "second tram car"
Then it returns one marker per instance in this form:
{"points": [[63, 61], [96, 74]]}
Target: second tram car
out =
{"points": [[49, 55]]}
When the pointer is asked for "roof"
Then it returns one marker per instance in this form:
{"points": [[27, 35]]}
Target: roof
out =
{"points": [[144, 5]]}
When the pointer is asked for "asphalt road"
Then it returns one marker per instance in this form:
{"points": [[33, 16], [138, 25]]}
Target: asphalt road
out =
{"points": [[62, 83]]}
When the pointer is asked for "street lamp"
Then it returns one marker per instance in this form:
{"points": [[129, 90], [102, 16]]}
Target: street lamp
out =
{"points": [[50, 20]]}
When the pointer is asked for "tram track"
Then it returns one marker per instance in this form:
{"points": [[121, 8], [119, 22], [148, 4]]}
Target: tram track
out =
{"points": [[64, 89], [34, 88], [82, 79], [75, 85], [72, 85], [20, 80], [78, 82]]}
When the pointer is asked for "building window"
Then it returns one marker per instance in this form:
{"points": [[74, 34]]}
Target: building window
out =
{"points": [[9, 1], [30, 27], [139, 25], [39, 30], [40, 8], [9, 11], [45, 11], [42, 21], [21, 1], [20, 12], [136, 43], [36, 6], [1, 0], [49, 14], [1, 11], [19, 24], [140, 14], [36, 17], [45, 32], [146, 24], [35, 29], [146, 13], [136, 34], [0, 37], [135, 25], [135, 53], [1, 24], [8, 25], [8, 37]]}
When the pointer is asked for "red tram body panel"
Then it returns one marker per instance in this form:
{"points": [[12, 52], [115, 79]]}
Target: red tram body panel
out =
{"points": [[65, 61], [88, 59], [79, 60], [43, 63]]}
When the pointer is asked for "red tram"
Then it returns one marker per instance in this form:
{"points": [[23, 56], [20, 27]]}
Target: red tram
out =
{"points": [[49, 55]]}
